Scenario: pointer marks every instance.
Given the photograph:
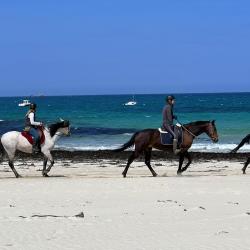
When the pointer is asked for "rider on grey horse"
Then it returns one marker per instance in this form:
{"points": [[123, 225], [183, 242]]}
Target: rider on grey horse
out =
{"points": [[168, 120], [31, 127]]}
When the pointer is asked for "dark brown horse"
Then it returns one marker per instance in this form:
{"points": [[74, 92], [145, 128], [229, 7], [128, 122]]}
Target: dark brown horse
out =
{"points": [[147, 139]]}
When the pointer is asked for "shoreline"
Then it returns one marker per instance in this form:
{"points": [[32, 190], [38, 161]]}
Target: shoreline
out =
{"points": [[109, 154]]}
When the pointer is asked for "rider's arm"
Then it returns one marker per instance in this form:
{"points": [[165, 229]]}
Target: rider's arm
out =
{"points": [[169, 114], [32, 122]]}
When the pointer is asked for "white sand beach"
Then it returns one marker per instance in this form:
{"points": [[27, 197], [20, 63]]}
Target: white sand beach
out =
{"points": [[208, 207]]}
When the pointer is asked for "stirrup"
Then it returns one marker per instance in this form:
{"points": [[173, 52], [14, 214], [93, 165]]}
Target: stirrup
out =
{"points": [[177, 151]]}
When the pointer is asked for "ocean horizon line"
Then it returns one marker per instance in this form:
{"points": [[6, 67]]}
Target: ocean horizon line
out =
{"points": [[128, 94]]}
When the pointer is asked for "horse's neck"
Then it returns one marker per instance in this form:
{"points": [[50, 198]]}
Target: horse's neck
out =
{"points": [[48, 136], [197, 130]]}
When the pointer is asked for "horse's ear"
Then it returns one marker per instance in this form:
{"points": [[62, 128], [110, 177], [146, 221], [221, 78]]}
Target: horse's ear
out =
{"points": [[66, 123], [213, 122]]}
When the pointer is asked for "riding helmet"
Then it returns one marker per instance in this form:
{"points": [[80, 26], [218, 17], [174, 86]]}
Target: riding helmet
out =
{"points": [[170, 98], [33, 106]]}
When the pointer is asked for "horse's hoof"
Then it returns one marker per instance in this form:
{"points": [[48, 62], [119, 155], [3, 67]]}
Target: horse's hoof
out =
{"points": [[18, 176], [155, 175], [243, 171], [45, 175], [179, 173], [124, 175]]}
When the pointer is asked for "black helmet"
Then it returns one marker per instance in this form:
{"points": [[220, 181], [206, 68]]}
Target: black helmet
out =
{"points": [[170, 98], [33, 106]]}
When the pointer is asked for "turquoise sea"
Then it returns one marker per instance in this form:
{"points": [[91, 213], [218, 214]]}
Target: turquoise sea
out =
{"points": [[104, 122]]}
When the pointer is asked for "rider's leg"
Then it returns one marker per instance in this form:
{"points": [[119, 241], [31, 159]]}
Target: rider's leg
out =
{"points": [[175, 142], [36, 143]]}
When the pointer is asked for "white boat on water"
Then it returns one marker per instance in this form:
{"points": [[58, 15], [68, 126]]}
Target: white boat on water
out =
{"points": [[131, 103], [24, 103]]}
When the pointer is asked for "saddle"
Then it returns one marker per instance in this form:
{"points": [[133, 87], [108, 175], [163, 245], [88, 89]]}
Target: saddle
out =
{"points": [[167, 138], [29, 137]]}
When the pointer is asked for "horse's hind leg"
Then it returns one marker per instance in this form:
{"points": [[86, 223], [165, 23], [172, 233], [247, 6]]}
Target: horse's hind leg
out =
{"points": [[147, 161], [245, 166], [11, 164], [131, 158], [11, 156]]}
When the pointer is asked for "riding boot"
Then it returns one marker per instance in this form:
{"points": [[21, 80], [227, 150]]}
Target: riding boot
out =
{"points": [[36, 147], [175, 144]]}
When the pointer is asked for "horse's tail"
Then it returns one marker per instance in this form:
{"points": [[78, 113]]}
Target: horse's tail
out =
{"points": [[128, 144], [243, 141]]}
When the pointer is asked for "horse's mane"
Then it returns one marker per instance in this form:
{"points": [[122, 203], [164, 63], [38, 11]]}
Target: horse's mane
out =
{"points": [[197, 123], [55, 126]]}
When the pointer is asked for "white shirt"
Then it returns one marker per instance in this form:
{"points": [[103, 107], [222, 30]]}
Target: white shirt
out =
{"points": [[32, 122]]}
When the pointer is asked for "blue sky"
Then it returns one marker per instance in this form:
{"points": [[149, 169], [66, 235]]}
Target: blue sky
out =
{"points": [[117, 47]]}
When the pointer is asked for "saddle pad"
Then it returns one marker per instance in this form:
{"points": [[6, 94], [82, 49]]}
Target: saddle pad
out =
{"points": [[167, 138], [28, 136]]}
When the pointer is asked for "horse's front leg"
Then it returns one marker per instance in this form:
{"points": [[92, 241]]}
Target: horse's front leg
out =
{"points": [[181, 159], [50, 158], [187, 155], [245, 166]]}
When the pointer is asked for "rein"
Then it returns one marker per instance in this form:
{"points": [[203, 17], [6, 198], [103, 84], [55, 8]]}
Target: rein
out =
{"points": [[187, 130]]}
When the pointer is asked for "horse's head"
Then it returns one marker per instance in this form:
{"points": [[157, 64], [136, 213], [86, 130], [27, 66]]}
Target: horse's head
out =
{"points": [[65, 128], [62, 127], [211, 131]]}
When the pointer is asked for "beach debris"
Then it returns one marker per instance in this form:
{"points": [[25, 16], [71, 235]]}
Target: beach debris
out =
{"points": [[233, 203], [248, 213], [80, 215], [158, 164], [202, 208], [222, 232], [66, 164], [165, 201]]}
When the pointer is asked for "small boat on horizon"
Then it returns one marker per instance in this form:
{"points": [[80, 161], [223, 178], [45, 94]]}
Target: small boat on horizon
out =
{"points": [[131, 103], [24, 103]]}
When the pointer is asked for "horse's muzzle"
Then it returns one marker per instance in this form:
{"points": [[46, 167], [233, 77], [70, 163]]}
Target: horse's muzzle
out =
{"points": [[215, 140]]}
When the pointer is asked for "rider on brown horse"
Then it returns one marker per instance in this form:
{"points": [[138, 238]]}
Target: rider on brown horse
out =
{"points": [[168, 120]]}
